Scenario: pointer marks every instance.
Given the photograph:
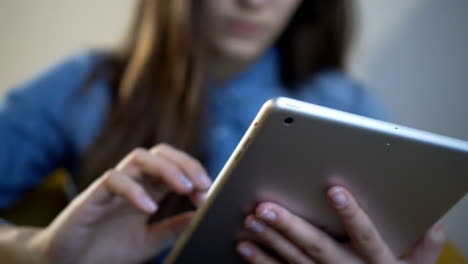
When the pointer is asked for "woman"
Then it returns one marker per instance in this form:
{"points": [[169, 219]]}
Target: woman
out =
{"points": [[192, 75]]}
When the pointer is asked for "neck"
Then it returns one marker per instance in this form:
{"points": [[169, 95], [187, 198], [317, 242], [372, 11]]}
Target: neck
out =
{"points": [[222, 69]]}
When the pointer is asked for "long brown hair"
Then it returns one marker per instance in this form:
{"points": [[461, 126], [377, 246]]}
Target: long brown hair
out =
{"points": [[156, 80]]}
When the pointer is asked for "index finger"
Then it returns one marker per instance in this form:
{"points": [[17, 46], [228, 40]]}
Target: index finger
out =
{"points": [[359, 227], [192, 168], [140, 162]]}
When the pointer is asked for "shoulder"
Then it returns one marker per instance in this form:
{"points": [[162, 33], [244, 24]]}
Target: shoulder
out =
{"points": [[63, 77], [57, 98], [336, 89], [52, 89]]}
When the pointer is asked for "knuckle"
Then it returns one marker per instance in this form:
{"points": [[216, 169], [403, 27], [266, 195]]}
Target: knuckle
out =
{"points": [[109, 175], [137, 153], [315, 246], [170, 169], [161, 147], [365, 237]]}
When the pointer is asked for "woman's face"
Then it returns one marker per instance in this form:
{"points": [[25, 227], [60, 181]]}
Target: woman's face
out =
{"points": [[242, 29]]}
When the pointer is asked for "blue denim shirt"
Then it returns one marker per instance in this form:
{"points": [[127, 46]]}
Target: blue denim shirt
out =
{"points": [[50, 121]]}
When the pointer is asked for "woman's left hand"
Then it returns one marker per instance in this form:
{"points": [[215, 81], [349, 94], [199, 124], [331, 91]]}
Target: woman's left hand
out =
{"points": [[297, 241]]}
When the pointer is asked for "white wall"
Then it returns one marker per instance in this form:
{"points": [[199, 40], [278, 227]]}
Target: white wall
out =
{"points": [[35, 34], [412, 53]]}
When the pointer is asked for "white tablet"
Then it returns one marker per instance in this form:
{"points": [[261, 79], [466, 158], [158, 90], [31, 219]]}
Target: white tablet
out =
{"points": [[405, 179]]}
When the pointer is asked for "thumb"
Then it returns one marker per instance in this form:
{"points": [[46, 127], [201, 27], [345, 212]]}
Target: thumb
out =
{"points": [[427, 250], [164, 233]]}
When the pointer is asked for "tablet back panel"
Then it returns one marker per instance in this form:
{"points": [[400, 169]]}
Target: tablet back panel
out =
{"points": [[405, 179]]}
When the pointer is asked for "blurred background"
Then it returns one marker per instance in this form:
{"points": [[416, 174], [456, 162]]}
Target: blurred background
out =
{"points": [[411, 53]]}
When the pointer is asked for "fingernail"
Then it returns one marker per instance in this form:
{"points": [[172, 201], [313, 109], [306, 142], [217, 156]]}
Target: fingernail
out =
{"points": [[245, 250], [268, 215], [205, 179], [185, 181], [256, 226], [149, 204], [339, 198]]}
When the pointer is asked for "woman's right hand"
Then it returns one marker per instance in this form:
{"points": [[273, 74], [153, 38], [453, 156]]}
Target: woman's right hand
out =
{"points": [[108, 222]]}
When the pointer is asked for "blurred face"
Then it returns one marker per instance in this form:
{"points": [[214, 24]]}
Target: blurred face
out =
{"points": [[242, 29]]}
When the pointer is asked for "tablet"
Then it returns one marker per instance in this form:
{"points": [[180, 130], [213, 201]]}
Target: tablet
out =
{"points": [[405, 179]]}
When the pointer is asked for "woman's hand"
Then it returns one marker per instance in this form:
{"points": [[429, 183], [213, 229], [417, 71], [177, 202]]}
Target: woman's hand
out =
{"points": [[108, 222], [297, 241]]}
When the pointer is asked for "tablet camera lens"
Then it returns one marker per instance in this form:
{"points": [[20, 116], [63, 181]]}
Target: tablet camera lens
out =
{"points": [[288, 121]]}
